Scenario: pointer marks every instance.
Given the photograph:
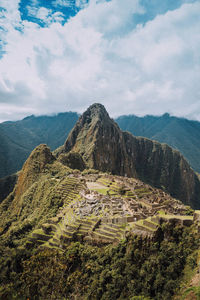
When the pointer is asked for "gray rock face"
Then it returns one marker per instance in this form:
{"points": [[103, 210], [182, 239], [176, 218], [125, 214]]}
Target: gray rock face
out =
{"points": [[105, 147]]}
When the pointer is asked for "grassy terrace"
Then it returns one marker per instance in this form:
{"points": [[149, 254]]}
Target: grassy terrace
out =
{"points": [[130, 194], [166, 216], [38, 236], [100, 236], [102, 191], [146, 225], [104, 181]]}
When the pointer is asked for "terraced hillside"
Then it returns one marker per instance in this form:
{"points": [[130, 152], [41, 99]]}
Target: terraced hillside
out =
{"points": [[101, 208]]}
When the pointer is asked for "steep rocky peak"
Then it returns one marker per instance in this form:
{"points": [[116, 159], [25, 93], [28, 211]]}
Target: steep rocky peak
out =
{"points": [[94, 125], [95, 116], [95, 112]]}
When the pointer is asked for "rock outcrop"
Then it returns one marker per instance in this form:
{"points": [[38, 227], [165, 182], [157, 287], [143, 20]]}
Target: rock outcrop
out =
{"points": [[103, 146], [73, 160]]}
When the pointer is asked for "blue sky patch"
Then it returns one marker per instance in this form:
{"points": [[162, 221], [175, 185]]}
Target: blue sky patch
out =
{"points": [[29, 9]]}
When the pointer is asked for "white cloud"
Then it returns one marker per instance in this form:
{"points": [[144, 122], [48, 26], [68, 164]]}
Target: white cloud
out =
{"points": [[111, 18], [81, 3], [45, 15], [65, 3], [101, 55]]}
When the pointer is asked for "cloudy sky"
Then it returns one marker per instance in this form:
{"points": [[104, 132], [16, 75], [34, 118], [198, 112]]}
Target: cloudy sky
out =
{"points": [[134, 56]]}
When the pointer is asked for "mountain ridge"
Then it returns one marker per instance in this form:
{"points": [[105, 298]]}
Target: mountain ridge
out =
{"points": [[179, 133], [19, 138]]}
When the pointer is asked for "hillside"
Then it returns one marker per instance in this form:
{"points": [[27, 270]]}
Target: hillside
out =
{"points": [[67, 234], [19, 138], [179, 133], [103, 146]]}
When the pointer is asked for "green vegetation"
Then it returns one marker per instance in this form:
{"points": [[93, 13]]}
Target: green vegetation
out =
{"points": [[73, 160], [102, 191], [167, 216], [59, 240], [193, 291], [19, 138], [123, 154], [137, 268], [169, 130], [36, 198], [6, 185], [90, 171]]}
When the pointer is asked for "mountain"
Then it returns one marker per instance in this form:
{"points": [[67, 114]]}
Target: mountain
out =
{"points": [[179, 133], [71, 232], [19, 138], [103, 146]]}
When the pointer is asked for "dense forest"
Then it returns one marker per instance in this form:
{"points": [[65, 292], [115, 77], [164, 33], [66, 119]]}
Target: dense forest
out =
{"points": [[136, 268]]}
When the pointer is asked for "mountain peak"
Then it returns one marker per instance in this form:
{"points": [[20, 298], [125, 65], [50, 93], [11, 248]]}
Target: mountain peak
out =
{"points": [[96, 108], [95, 112], [91, 121]]}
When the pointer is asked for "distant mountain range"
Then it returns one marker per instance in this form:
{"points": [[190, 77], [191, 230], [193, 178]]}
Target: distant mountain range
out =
{"points": [[179, 133], [18, 139]]}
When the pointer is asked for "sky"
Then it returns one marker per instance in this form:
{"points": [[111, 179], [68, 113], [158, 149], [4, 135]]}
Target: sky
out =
{"points": [[133, 56]]}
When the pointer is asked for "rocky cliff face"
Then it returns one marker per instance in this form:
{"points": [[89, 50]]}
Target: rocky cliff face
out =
{"points": [[105, 147], [163, 167]]}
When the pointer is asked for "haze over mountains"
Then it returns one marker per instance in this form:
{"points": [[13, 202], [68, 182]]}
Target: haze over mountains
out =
{"points": [[19, 138], [179, 133]]}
